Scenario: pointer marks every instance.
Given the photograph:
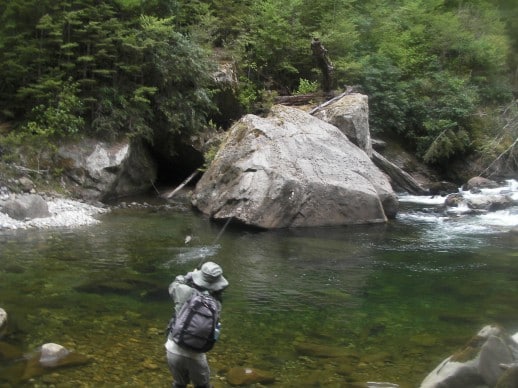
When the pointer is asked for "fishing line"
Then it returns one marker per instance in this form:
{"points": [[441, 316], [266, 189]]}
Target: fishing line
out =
{"points": [[216, 239], [221, 231]]}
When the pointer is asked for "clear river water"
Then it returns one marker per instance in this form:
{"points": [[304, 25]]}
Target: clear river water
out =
{"points": [[318, 307]]}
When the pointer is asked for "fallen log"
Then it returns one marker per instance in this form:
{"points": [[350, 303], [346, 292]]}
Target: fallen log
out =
{"points": [[399, 179], [299, 99], [170, 194]]}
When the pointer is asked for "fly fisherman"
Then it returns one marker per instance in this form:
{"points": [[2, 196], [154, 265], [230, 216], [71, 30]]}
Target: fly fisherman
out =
{"points": [[186, 358]]}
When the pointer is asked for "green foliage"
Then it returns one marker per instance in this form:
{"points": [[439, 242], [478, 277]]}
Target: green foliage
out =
{"points": [[110, 68], [137, 68], [209, 156], [231, 19], [306, 87], [60, 117], [247, 94], [429, 70], [272, 47]]}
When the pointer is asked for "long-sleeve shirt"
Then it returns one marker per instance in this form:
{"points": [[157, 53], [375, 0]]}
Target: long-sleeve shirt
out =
{"points": [[180, 291]]}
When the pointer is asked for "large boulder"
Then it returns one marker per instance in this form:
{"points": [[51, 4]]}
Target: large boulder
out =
{"points": [[481, 363], [293, 170], [105, 170], [27, 206]]}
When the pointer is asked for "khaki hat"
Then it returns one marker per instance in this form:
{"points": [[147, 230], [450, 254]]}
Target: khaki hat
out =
{"points": [[210, 277]]}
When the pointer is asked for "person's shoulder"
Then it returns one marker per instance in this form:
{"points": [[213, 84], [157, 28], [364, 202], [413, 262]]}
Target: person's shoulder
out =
{"points": [[181, 292]]}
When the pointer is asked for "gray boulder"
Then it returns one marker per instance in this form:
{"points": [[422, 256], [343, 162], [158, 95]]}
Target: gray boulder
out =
{"points": [[293, 170], [479, 182], [105, 170], [491, 202], [350, 114], [26, 206], [481, 203], [478, 364], [26, 184]]}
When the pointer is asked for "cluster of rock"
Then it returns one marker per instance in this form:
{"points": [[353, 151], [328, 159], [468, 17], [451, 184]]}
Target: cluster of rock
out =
{"points": [[472, 200], [488, 360], [19, 367], [289, 169]]}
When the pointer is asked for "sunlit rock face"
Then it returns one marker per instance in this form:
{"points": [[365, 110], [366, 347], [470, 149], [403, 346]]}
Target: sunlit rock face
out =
{"points": [[350, 114], [293, 170], [489, 359], [104, 171]]}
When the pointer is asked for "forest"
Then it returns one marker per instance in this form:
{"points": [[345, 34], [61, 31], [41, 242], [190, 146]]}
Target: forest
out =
{"points": [[441, 75]]}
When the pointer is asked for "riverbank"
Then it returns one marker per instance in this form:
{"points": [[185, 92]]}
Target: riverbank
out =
{"points": [[64, 213]]}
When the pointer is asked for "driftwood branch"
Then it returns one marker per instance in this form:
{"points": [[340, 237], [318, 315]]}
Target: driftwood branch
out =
{"points": [[25, 169], [321, 106], [298, 99], [400, 180], [514, 144], [170, 194]]}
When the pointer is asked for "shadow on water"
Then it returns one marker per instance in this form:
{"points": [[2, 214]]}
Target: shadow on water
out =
{"points": [[314, 307]]}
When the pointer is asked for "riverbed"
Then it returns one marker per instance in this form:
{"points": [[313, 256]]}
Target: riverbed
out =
{"points": [[313, 307]]}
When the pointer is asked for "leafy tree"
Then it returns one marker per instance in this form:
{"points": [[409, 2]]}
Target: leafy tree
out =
{"points": [[132, 74], [429, 67], [428, 72], [231, 19], [271, 48]]}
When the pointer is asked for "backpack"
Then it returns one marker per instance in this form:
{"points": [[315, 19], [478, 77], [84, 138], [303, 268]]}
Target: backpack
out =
{"points": [[194, 326]]}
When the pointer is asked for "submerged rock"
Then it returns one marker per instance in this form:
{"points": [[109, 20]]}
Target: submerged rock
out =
{"points": [[50, 357], [124, 285], [9, 352], [245, 376], [323, 351], [15, 367]]}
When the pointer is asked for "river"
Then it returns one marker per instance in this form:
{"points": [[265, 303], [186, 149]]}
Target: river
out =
{"points": [[317, 307]]}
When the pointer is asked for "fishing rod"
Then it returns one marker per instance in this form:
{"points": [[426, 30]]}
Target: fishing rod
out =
{"points": [[216, 240]]}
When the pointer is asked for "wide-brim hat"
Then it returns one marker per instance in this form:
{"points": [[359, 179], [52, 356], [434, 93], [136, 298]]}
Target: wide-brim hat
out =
{"points": [[210, 277]]}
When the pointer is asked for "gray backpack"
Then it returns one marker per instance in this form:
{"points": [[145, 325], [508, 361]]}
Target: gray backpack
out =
{"points": [[194, 326]]}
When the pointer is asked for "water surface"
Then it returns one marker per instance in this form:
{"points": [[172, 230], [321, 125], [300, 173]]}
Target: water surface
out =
{"points": [[314, 307]]}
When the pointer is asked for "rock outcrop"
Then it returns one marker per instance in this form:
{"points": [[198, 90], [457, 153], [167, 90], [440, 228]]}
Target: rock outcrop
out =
{"points": [[108, 170], [481, 363], [293, 170], [350, 114]]}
